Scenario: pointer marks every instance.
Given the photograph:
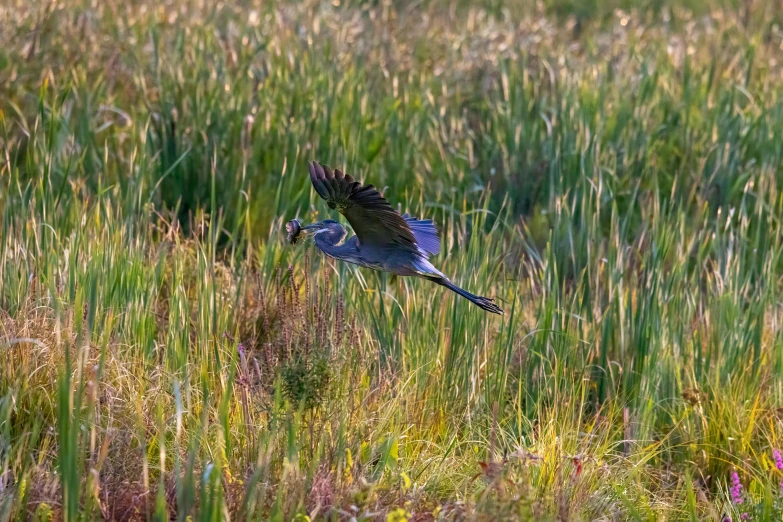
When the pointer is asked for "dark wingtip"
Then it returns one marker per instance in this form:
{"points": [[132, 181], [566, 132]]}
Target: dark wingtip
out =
{"points": [[318, 179], [319, 169]]}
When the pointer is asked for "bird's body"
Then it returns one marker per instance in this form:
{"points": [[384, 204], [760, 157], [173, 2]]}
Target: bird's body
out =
{"points": [[384, 258], [385, 240]]}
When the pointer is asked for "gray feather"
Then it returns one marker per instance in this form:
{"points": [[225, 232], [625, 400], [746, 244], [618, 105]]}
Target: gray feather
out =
{"points": [[425, 233]]}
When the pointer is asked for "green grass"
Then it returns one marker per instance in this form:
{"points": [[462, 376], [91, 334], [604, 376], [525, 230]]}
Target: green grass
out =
{"points": [[612, 175]]}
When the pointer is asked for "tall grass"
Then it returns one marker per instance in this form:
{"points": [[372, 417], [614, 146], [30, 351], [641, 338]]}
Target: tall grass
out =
{"points": [[611, 176]]}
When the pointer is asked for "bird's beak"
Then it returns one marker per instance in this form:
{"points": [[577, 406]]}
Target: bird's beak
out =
{"points": [[307, 228]]}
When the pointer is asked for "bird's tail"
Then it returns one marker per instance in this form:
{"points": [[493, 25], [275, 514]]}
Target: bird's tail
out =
{"points": [[482, 302]]}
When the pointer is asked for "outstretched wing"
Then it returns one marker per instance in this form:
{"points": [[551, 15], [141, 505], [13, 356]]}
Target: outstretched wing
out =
{"points": [[373, 220]]}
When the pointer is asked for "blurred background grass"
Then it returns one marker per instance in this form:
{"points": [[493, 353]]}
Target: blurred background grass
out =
{"points": [[608, 170]]}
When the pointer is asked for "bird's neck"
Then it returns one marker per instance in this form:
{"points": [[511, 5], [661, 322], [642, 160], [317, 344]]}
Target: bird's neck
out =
{"points": [[329, 239], [333, 246]]}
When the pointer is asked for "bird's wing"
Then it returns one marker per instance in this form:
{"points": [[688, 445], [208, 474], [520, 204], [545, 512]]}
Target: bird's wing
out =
{"points": [[373, 220], [425, 233]]}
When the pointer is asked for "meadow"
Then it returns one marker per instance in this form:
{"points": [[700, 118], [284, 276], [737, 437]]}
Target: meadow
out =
{"points": [[609, 171]]}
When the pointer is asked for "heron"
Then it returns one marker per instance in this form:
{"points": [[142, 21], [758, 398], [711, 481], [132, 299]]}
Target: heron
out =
{"points": [[383, 240]]}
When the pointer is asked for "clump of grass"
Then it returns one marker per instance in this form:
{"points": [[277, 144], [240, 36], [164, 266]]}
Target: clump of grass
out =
{"points": [[297, 336]]}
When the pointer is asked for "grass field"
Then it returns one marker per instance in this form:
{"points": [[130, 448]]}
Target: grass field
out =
{"points": [[612, 174]]}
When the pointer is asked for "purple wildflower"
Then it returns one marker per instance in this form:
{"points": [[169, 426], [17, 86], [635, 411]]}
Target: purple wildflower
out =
{"points": [[241, 349], [778, 458], [736, 488], [744, 516]]}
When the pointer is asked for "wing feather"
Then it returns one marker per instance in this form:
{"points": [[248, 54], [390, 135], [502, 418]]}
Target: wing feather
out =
{"points": [[373, 220], [425, 233]]}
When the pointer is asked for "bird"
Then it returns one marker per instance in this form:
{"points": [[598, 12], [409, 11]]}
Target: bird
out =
{"points": [[383, 240]]}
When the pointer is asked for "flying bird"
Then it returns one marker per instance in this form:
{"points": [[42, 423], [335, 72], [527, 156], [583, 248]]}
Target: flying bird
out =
{"points": [[384, 240]]}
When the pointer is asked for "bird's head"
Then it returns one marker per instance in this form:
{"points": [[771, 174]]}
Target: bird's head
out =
{"points": [[322, 226], [328, 228]]}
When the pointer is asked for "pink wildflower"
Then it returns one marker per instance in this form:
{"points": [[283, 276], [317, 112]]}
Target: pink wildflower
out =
{"points": [[736, 488], [778, 458]]}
